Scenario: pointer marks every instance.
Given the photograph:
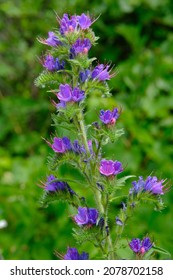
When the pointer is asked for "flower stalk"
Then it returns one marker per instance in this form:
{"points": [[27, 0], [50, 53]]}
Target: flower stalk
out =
{"points": [[70, 74]]}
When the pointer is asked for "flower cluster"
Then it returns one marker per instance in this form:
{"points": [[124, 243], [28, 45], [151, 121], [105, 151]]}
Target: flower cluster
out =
{"points": [[73, 254], [140, 246], [109, 117], [71, 24], [86, 216], [53, 64], [151, 184], [110, 168], [63, 145], [67, 94], [54, 185]]}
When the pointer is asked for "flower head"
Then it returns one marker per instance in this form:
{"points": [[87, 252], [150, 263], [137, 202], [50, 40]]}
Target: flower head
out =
{"points": [[141, 246], [61, 145], [73, 254], [59, 65], [67, 94], [110, 167], [53, 64], [84, 75], [84, 21], [109, 117], [151, 184], [81, 46], [53, 185], [86, 216], [77, 94], [52, 40], [67, 24], [49, 63], [101, 72]]}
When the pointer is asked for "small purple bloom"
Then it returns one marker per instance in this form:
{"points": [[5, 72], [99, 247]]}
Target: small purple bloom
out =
{"points": [[77, 94], [61, 145], [109, 117], [49, 62], [84, 21], [135, 245], [101, 72], [110, 167], [73, 254], [61, 104], [146, 245], [86, 216], [67, 143], [53, 64], [81, 46], [151, 184], [52, 186], [137, 186], [141, 246], [119, 221], [68, 24], [76, 147], [84, 75], [52, 40], [65, 93], [59, 65]]}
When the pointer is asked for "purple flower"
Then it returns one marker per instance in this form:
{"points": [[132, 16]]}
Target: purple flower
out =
{"points": [[135, 245], [59, 65], [119, 221], [52, 186], [84, 75], [67, 24], [110, 167], [109, 117], [86, 216], [49, 63], [140, 246], [61, 145], [73, 254], [77, 148], [65, 93], [81, 46], [137, 186], [101, 72], [61, 104], [151, 184], [52, 40], [84, 21], [77, 94], [146, 245], [53, 64]]}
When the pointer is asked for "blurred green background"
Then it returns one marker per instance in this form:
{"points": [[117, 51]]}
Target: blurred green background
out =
{"points": [[136, 35]]}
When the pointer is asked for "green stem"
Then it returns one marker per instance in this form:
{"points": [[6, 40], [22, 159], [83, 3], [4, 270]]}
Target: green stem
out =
{"points": [[83, 131]]}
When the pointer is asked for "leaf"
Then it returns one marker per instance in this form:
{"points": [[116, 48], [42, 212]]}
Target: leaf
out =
{"points": [[46, 78], [120, 182], [85, 234], [161, 251], [59, 196]]}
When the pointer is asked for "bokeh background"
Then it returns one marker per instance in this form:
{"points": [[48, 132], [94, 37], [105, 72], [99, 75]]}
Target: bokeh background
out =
{"points": [[136, 36]]}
